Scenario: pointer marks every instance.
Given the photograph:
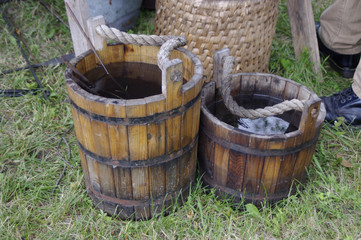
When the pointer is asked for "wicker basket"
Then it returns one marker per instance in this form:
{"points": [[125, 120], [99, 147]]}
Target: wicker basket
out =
{"points": [[246, 27]]}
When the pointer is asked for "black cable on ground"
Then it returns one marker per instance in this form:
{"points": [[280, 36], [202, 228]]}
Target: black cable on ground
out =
{"points": [[20, 92], [59, 179], [23, 53], [50, 62], [65, 160]]}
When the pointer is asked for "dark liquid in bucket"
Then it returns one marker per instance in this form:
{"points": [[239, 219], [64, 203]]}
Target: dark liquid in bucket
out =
{"points": [[279, 124], [133, 80]]}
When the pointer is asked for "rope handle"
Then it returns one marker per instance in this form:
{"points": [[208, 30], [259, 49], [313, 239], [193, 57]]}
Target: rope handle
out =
{"points": [[167, 43], [234, 108], [167, 47], [127, 38]]}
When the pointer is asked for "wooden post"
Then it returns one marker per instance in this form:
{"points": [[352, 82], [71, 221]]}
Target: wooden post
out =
{"points": [[218, 66], [81, 11], [97, 41], [304, 30]]}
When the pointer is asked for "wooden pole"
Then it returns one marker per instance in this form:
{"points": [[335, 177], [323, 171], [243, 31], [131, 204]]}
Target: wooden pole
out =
{"points": [[81, 10], [218, 66], [304, 30], [98, 41]]}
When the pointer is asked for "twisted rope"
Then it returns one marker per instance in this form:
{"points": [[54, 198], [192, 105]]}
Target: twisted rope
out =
{"points": [[167, 47], [167, 43], [234, 108], [126, 38]]}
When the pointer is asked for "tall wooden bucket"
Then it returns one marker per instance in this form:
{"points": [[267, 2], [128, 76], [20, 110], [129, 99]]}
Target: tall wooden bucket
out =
{"points": [[253, 167], [138, 155]]}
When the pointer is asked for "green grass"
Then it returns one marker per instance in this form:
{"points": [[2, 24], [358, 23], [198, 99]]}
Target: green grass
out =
{"points": [[329, 206]]}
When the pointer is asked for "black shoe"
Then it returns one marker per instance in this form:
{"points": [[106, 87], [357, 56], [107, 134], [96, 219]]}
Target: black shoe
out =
{"points": [[342, 63], [344, 104]]}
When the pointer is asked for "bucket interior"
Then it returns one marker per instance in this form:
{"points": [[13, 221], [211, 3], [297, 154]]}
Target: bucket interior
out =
{"points": [[131, 80], [279, 124], [253, 91], [134, 70]]}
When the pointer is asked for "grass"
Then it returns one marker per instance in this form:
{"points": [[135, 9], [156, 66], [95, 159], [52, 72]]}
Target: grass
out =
{"points": [[329, 206]]}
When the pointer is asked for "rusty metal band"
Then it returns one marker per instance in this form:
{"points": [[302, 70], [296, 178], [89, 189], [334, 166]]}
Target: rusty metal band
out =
{"points": [[138, 203], [140, 163], [258, 152], [154, 118]]}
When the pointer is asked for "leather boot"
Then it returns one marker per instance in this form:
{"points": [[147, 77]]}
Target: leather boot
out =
{"points": [[344, 104]]}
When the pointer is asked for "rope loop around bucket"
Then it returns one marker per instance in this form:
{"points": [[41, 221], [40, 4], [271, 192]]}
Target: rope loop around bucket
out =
{"points": [[167, 47], [127, 38], [167, 43], [234, 108]]}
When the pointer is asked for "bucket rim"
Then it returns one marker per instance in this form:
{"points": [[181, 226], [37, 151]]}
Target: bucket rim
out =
{"points": [[319, 121], [195, 80]]}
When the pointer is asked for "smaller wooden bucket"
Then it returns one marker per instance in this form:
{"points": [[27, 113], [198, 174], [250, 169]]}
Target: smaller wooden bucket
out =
{"points": [[255, 167], [138, 155]]}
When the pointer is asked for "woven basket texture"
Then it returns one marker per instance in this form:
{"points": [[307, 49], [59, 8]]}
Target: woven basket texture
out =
{"points": [[246, 27]]}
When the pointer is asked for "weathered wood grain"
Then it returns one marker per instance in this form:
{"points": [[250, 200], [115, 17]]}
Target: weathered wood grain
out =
{"points": [[106, 178], [252, 179], [137, 134], [236, 171], [221, 158], [123, 183], [285, 175], [132, 53], [98, 42], [270, 174], [156, 131], [81, 11], [188, 120], [84, 166], [93, 173], [148, 54], [171, 86], [303, 30], [157, 181], [140, 186]]}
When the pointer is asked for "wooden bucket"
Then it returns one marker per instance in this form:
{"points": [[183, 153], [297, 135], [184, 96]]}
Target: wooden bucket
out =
{"points": [[138, 155], [246, 166]]}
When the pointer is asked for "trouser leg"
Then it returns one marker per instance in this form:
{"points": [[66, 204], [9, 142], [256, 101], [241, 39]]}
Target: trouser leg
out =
{"points": [[341, 26]]}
